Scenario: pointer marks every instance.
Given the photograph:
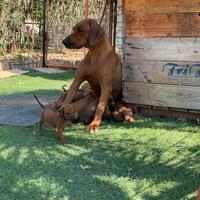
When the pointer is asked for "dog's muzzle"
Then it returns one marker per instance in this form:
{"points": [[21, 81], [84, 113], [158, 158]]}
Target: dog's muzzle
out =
{"points": [[66, 42], [70, 45]]}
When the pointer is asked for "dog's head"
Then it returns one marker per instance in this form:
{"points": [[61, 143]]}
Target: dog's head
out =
{"points": [[127, 114], [69, 113], [86, 33]]}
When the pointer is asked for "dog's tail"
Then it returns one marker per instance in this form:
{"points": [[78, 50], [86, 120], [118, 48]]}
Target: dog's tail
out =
{"points": [[38, 101], [63, 87]]}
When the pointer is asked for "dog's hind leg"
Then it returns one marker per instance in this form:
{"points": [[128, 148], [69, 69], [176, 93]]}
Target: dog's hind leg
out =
{"points": [[40, 126], [61, 136], [56, 134], [41, 122]]}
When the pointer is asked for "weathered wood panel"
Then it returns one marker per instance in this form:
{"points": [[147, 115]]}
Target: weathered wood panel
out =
{"points": [[164, 49], [162, 6], [168, 113], [162, 25], [180, 73], [173, 96], [119, 28]]}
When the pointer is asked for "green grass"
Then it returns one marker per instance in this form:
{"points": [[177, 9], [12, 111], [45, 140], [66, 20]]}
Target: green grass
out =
{"points": [[158, 159], [37, 82]]}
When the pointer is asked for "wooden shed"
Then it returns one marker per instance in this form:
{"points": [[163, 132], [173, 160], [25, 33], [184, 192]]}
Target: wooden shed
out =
{"points": [[161, 55]]}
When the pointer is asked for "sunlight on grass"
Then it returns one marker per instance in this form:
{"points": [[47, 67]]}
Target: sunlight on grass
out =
{"points": [[35, 81], [153, 159], [138, 189]]}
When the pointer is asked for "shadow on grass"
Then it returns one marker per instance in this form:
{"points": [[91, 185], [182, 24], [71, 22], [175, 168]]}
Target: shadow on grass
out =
{"points": [[160, 123], [36, 167], [49, 170]]}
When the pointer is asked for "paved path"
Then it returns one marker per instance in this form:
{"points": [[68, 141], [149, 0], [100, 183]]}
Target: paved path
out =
{"points": [[22, 109], [12, 72], [49, 70]]}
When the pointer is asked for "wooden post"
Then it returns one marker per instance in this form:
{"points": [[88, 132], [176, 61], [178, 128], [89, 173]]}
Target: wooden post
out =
{"points": [[110, 19]]}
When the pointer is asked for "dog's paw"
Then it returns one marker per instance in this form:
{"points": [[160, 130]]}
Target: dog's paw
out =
{"points": [[92, 128], [57, 106]]}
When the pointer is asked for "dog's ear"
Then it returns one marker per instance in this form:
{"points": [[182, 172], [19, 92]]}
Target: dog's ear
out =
{"points": [[95, 33], [123, 116], [61, 111]]}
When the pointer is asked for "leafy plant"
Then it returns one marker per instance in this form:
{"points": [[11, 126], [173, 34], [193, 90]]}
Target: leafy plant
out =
{"points": [[14, 31], [22, 20]]}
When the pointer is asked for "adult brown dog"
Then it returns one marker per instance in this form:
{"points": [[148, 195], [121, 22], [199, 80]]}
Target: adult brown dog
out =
{"points": [[101, 66]]}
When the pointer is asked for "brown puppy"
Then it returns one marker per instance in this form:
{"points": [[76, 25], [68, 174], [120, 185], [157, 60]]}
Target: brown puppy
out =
{"points": [[101, 67], [82, 92], [122, 113], [54, 118], [83, 110]]}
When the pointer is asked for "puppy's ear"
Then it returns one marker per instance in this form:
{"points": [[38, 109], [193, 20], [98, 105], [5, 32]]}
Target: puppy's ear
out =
{"points": [[61, 110], [123, 116], [95, 33]]}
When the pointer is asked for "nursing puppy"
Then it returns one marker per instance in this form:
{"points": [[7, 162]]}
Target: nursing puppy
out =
{"points": [[82, 92], [54, 118], [123, 114], [83, 110]]}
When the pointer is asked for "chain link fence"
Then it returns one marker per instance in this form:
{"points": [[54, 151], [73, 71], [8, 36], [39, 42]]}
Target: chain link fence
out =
{"points": [[22, 27], [20, 33], [61, 17]]}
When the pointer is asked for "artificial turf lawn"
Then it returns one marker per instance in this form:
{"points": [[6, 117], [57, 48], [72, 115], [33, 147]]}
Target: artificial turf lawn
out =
{"points": [[156, 159]]}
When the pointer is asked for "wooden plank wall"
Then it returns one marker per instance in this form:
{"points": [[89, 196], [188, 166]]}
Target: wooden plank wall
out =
{"points": [[119, 28], [161, 64]]}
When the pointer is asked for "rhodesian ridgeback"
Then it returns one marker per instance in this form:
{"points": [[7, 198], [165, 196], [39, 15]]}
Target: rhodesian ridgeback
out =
{"points": [[55, 119], [101, 67]]}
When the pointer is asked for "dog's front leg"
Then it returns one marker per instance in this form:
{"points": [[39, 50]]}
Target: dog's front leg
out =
{"points": [[72, 91], [105, 96]]}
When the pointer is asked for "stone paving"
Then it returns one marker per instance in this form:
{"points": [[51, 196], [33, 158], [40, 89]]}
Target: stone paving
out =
{"points": [[22, 109], [12, 72]]}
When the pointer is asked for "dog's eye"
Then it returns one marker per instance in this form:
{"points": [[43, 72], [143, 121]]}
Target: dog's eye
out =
{"points": [[79, 30]]}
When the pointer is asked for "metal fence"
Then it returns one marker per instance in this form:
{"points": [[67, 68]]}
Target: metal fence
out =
{"points": [[21, 33], [31, 31], [61, 16]]}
